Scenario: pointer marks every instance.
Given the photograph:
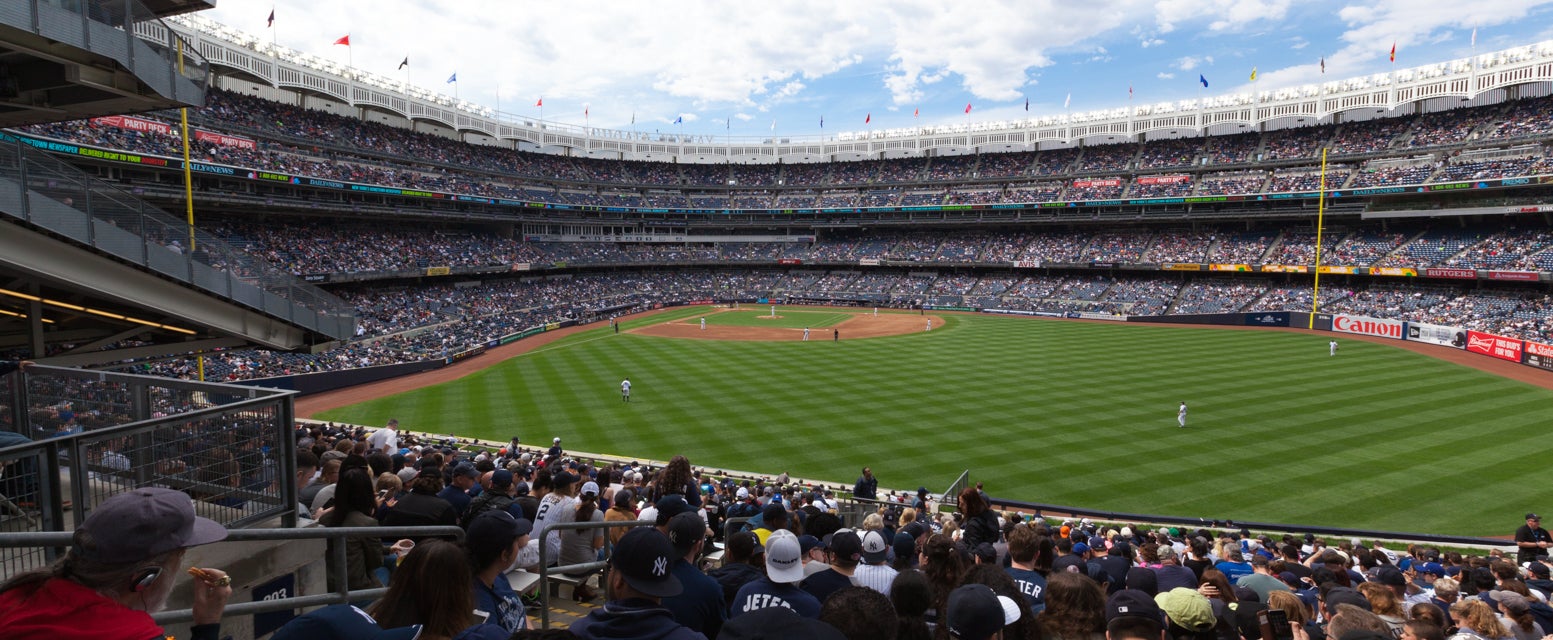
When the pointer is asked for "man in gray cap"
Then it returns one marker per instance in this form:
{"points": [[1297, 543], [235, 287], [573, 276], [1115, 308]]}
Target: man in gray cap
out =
{"points": [[119, 569]]}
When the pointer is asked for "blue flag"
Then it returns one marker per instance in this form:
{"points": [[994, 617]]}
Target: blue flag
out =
{"points": [[1203, 80], [453, 78], [679, 120], [822, 122]]}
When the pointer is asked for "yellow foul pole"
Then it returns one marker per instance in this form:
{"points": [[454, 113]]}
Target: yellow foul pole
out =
{"points": [[1321, 207], [188, 191]]}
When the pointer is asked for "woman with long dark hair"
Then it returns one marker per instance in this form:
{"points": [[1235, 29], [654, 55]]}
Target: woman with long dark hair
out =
{"points": [[912, 596], [1075, 608], [430, 588], [580, 546], [354, 506], [944, 567], [981, 524], [675, 478]]}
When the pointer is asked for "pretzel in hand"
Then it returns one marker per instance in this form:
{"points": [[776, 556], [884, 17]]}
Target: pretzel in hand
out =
{"points": [[210, 578]]}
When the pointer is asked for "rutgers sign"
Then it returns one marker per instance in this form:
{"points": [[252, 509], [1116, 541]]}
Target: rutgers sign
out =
{"points": [[1368, 326]]}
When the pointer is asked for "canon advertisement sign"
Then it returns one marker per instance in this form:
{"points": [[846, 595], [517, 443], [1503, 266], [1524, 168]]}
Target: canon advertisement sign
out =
{"points": [[1368, 326]]}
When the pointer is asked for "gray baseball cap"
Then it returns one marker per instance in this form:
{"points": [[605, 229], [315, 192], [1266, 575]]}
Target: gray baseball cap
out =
{"points": [[144, 523]]}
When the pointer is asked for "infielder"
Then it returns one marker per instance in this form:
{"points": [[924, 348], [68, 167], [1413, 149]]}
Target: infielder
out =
{"points": [[805, 334], [703, 324], [1181, 415], [876, 312], [1332, 348], [625, 391], [930, 325]]}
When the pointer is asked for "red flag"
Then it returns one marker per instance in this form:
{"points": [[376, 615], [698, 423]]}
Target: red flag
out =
{"points": [[584, 112], [541, 103], [1393, 52], [967, 107], [345, 40], [869, 118], [916, 112]]}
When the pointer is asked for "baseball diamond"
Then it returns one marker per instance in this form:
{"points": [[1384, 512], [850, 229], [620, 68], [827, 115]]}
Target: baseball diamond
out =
{"points": [[1037, 407]]}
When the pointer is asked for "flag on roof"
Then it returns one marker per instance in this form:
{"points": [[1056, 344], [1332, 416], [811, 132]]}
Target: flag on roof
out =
{"points": [[453, 78], [1068, 100], [1393, 51], [868, 118], [405, 62], [345, 40], [916, 112], [1027, 103], [1253, 74], [271, 21], [1323, 64], [1203, 80], [967, 107], [679, 120], [540, 103]]}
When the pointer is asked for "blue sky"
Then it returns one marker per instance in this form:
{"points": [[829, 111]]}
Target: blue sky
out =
{"points": [[737, 68]]}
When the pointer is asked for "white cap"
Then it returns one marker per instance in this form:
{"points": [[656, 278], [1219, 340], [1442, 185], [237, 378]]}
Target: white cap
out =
{"points": [[784, 557], [589, 488], [557, 440], [743, 493]]}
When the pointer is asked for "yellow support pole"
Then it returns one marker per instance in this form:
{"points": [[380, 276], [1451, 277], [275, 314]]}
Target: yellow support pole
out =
{"points": [[1321, 207], [188, 193]]}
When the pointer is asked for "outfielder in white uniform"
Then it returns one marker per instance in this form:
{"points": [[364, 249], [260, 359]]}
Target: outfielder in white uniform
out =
{"points": [[625, 390], [930, 325], [1332, 348], [1181, 416], [805, 334], [703, 324]]}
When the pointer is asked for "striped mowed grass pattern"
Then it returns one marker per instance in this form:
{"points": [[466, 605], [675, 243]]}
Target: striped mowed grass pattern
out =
{"points": [[1050, 411]]}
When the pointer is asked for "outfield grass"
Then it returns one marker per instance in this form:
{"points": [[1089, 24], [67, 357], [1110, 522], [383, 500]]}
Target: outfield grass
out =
{"points": [[1060, 412]]}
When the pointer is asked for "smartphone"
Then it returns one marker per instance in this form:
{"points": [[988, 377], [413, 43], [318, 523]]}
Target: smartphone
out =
{"points": [[1275, 624], [382, 494]]}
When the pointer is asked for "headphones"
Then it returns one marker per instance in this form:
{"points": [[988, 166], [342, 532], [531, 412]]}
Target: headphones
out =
{"points": [[144, 579]]}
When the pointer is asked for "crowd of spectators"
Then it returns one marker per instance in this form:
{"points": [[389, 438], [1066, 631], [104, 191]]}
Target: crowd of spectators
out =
{"points": [[316, 143]]}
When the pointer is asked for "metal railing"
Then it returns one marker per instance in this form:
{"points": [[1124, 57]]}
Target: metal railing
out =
{"points": [[953, 492], [97, 434], [124, 30], [583, 568], [45, 191], [335, 563]]}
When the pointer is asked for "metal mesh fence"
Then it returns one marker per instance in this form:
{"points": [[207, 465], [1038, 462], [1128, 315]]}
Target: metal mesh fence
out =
{"points": [[94, 435]]}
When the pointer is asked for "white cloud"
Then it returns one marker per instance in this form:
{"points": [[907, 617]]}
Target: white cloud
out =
{"points": [[1298, 43], [1154, 42], [1187, 63], [1165, 75], [1224, 15], [743, 117]]}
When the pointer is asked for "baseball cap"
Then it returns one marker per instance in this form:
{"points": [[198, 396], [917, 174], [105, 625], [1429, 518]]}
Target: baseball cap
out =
{"points": [[144, 523], [777, 623], [562, 478], [685, 530], [521, 489], [905, 546], [669, 506], [1390, 576], [784, 557], [1290, 579], [1533, 516], [1132, 603], [743, 493], [341, 622], [1080, 548], [643, 557], [501, 479], [1537, 569], [494, 530], [1187, 608], [875, 549], [1512, 603], [1345, 595], [557, 440], [466, 470], [845, 544], [589, 488], [809, 543], [975, 612]]}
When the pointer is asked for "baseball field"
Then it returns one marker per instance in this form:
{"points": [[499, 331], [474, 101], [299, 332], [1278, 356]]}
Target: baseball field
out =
{"points": [[1060, 412]]}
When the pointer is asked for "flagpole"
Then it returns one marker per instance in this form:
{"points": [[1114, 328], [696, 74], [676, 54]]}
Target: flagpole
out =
{"points": [[1321, 206]]}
